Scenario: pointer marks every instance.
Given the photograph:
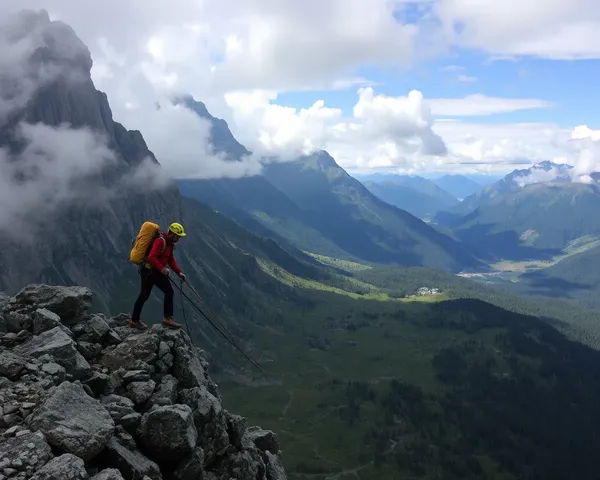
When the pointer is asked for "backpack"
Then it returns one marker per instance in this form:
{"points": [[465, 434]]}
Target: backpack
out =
{"points": [[141, 245]]}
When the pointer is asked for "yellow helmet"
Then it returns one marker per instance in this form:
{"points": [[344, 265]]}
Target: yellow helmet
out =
{"points": [[177, 229]]}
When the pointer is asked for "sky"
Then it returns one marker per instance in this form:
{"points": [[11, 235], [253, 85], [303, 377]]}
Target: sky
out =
{"points": [[421, 86]]}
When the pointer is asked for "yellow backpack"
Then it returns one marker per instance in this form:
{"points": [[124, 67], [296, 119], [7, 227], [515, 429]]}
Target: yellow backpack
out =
{"points": [[141, 245]]}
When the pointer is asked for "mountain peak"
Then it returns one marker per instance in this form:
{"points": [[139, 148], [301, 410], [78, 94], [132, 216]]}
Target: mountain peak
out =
{"points": [[548, 165], [221, 137], [45, 42], [325, 159]]}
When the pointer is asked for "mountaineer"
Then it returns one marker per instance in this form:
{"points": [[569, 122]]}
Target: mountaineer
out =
{"points": [[154, 269]]}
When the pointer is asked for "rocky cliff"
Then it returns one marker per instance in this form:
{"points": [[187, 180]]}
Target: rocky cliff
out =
{"points": [[87, 397]]}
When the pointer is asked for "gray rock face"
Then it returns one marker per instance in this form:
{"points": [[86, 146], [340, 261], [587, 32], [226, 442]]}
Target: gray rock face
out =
{"points": [[65, 467], [142, 402], [131, 463], [44, 320], [11, 365], [168, 432], [61, 347], [25, 454], [69, 303], [108, 474], [73, 421]]}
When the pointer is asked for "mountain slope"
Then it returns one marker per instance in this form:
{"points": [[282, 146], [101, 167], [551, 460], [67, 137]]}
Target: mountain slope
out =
{"points": [[350, 223], [417, 203], [458, 185], [541, 216], [346, 213]]}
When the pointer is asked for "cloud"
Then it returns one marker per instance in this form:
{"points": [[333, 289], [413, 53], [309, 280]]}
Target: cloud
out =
{"points": [[382, 130], [538, 175], [587, 142], [480, 105], [25, 36], [554, 29], [56, 166]]}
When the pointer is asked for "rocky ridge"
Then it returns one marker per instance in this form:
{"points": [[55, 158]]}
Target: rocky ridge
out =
{"points": [[88, 397]]}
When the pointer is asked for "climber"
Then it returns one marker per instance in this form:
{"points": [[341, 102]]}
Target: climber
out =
{"points": [[155, 272]]}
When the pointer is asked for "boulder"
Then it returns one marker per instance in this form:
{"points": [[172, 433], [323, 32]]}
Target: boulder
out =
{"points": [[43, 320], [166, 393], [73, 421], [140, 392], [69, 303], [59, 346], [25, 453], [65, 467], [265, 440], [191, 467], [11, 365], [108, 474], [131, 463], [168, 432]]}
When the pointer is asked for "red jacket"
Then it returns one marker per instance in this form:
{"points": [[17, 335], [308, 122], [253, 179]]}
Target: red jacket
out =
{"points": [[160, 260]]}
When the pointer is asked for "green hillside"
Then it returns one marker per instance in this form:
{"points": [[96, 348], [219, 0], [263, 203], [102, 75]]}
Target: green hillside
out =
{"points": [[536, 221], [371, 389]]}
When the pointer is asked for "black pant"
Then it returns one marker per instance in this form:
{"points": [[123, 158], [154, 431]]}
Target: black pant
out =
{"points": [[151, 277]]}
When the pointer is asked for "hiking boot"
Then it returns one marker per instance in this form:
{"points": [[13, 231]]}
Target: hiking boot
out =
{"points": [[169, 322], [139, 324]]}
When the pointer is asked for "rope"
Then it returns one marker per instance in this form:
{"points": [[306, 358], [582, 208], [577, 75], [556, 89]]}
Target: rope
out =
{"points": [[215, 326], [187, 327]]}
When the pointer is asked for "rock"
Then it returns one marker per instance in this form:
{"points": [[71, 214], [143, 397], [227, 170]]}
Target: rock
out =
{"points": [[136, 376], [65, 467], [11, 365], [140, 392], [131, 463], [117, 406], [188, 369], [70, 303], [26, 453], [89, 350], [61, 347], [191, 467], [209, 419], [265, 440], [236, 428], [92, 330], [98, 382], [166, 394], [108, 474], [44, 320], [275, 470], [54, 370], [73, 421], [63, 392], [168, 432], [16, 321], [131, 422], [136, 347]]}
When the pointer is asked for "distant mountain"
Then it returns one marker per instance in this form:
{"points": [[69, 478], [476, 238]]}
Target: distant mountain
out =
{"points": [[543, 172], [458, 185], [539, 216], [347, 214], [415, 202]]}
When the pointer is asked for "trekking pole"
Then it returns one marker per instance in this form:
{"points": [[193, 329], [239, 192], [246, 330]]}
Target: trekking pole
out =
{"points": [[217, 328]]}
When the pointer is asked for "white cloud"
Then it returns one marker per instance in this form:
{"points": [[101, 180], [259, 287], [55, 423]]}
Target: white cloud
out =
{"points": [[587, 142], [555, 29], [51, 170], [239, 57], [479, 105]]}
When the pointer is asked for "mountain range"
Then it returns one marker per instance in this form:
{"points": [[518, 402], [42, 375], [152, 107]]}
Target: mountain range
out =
{"points": [[315, 205], [374, 362]]}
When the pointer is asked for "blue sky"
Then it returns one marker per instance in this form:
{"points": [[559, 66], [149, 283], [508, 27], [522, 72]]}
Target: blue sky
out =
{"points": [[570, 85]]}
